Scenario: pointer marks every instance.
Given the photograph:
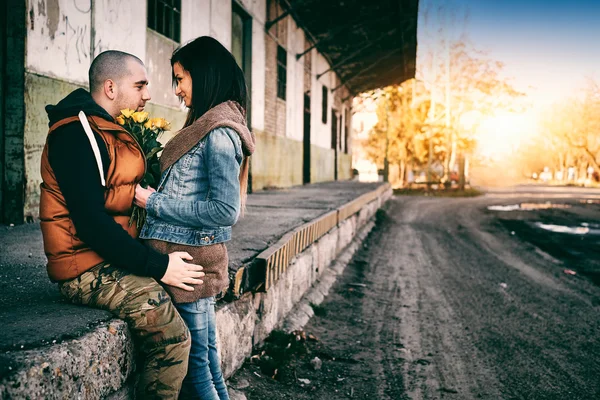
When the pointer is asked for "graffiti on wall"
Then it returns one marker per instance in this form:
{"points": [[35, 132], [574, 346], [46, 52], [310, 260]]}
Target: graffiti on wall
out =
{"points": [[114, 28], [58, 38]]}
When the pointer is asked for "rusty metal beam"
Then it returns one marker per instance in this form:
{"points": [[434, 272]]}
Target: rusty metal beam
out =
{"points": [[269, 24], [351, 56], [359, 73], [352, 25]]}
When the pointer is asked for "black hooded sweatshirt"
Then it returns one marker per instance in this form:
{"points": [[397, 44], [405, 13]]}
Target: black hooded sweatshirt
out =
{"points": [[74, 164]]}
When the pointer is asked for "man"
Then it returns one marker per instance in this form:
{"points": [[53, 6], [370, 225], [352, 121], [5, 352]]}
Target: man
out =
{"points": [[90, 167]]}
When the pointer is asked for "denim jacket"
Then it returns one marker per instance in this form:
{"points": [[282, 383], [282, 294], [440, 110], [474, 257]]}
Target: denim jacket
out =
{"points": [[198, 197]]}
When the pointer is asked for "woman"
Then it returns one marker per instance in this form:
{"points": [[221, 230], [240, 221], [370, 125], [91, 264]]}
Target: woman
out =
{"points": [[201, 194]]}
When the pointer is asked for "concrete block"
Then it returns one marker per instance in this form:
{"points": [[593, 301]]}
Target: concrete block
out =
{"points": [[302, 276], [235, 325], [346, 233], [91, 367], [268, 313], [303, 310], [327, 248]]}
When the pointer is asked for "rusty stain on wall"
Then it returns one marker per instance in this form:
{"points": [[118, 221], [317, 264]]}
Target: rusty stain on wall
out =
{"points": [[53, 12], [41, 8], [32, 19]]}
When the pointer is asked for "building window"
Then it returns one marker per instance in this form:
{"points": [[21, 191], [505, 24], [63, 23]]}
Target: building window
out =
{"points": [[346, 130], [164, 17], [241, 47], [281, 72], [324, 113], [334, 130]]}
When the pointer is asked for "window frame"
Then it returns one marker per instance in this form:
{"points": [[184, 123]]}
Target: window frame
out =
{"points": [[281, 72], [324, 104], [166, 23]]}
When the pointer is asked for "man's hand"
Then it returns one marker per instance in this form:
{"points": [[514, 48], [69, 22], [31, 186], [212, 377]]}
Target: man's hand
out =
{"points": [[179, 272], [141, 195]]}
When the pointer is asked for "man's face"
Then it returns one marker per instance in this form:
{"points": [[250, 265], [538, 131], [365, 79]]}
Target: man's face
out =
{"points": [[133, 88]]}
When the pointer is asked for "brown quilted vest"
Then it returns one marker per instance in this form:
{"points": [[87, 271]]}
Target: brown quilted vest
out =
{"points": [[68, 256]]}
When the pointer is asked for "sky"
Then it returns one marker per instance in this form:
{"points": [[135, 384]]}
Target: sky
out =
{"points": [[548, 47]]}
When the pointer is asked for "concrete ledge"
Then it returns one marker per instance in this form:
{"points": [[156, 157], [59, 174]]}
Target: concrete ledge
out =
{"points": [[303, 310], [90, 367], [99, 363]]}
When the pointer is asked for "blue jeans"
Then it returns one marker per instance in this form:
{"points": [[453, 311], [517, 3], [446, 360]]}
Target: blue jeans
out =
{"points": [[204, 379]]}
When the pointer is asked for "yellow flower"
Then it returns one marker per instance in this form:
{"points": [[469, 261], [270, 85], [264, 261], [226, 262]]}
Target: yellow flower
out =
{"points": [[120, 120], [139, 116], [127, 113], [161, 123], [148, 124]]}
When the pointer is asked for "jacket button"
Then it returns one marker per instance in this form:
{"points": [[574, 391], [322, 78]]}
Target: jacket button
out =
{"points": [[206, 239], [212, 238]]}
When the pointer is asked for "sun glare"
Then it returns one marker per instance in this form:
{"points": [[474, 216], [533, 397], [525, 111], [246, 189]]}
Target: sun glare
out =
{"points": [[501, 135]]}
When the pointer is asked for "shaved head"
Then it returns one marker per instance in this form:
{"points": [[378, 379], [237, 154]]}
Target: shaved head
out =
{"points": [[118, 81], [111, 64]]}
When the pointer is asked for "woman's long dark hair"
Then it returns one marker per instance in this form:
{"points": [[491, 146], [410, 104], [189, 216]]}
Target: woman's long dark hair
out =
{"points": [[216, 78]]}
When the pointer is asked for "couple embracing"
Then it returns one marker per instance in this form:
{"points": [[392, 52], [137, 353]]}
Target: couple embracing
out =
{"points": [[164, 287]]}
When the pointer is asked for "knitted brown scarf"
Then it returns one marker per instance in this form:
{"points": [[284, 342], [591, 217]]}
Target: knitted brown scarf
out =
{"points": [[229, 114], [212, 258]]}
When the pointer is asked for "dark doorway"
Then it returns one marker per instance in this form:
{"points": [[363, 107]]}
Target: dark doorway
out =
{"points": [[306, 158], [334, 142], [12, 111]]}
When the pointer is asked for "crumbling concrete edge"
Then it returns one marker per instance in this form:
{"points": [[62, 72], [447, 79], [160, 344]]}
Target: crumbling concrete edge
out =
{"points": [[89, 367], [303, 311]]}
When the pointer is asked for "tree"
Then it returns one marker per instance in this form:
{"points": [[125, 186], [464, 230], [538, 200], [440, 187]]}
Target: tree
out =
{"points": [[416, 123], [403, 128]]}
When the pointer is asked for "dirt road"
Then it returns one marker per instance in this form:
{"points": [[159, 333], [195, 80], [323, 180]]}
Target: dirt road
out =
{"points": [[448, 299]]}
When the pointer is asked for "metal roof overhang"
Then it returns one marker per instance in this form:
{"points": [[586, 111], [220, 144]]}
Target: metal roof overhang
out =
{"points": [[368, 43]]}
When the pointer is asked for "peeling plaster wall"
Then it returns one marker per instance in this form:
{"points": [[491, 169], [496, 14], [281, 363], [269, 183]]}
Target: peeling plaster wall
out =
{"points": [[220, 21], [195, 19], [58, 39], [158, 54], [320, 132], [321, 164], [120, 25], [295, 83], [277, 162], [39, 91], [258, 11]]}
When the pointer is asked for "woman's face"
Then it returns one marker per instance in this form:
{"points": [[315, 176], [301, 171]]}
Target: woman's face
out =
{"points": [[184, 84]]}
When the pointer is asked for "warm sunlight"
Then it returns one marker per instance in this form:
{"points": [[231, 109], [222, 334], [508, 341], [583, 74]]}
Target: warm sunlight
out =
{"points": [[500, 135]]}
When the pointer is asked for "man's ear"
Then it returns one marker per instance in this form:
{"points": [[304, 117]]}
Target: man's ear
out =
{"points": [[110, 89]]}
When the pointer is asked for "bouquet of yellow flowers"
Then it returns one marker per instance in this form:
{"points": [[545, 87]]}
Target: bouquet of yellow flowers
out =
{"points": [[145, 131]]}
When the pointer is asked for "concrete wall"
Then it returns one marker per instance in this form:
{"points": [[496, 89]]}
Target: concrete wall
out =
{"points": [[58, 39], [344, 167], [295, 83], [320, 132], [321, 164], [12, 113], [278, 162], [39, 91], [158, 54]]}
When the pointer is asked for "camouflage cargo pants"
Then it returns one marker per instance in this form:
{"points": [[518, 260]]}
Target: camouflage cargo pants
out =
{"points": [[160, 332]]}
